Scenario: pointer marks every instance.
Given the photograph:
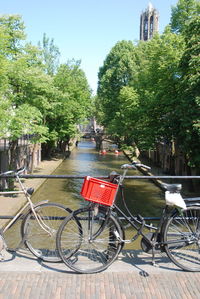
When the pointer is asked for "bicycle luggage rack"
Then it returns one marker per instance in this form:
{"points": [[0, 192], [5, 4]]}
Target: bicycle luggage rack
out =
{"points": [[32, 176]]}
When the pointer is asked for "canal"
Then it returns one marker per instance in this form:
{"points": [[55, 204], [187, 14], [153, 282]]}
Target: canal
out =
{"points": [[142, 196]]}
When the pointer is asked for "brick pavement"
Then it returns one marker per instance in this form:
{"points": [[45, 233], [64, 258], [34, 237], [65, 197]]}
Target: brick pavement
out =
{"points": [[23, 276], [108, 285]]}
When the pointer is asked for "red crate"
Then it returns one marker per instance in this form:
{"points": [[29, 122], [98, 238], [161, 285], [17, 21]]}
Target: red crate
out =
{"points": [[98, 191]]}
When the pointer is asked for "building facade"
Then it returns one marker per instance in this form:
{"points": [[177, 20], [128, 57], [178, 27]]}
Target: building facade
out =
{"points": [[149, 23]]}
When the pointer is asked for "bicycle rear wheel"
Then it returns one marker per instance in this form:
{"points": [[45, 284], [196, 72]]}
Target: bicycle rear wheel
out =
{"points": [[182, 239], [88, 242], [42, 243]]}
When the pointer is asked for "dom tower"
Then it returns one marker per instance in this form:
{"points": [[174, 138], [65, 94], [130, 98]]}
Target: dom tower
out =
{"points": [[148, 23]]}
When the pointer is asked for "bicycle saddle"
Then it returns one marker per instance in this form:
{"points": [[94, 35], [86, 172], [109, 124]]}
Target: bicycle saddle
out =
{"points": [[172, 187]]}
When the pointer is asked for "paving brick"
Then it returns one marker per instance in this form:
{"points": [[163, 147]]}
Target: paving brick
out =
{"points": [[53, 282]]}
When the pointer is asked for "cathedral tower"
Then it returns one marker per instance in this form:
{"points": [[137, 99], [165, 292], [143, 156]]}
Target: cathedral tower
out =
{"points": [[148, 23]]}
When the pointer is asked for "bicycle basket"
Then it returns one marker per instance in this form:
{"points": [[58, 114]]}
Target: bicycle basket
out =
{"points": [[98, 191]]}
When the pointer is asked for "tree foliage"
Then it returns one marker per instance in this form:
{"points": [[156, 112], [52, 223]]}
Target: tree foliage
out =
{"points": [[182, 14], [50, 54], [149, 92], [32, 98]]}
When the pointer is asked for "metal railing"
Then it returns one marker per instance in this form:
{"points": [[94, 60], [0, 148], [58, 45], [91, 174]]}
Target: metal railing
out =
{"points": [[36, 176], [152, 177]]}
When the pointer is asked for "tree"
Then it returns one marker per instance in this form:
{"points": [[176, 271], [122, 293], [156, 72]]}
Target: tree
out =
{"points": [[50, 54], [21, 96], [14, 27], [188, 93], [149, 93], [182, 14], [72, 104], [117, 72]]}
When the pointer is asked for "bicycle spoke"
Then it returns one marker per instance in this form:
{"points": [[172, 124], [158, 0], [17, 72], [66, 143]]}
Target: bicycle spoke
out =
{"points": [[182, 237], [94, 248]]}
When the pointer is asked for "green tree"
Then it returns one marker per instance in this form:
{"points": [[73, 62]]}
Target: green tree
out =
{"points": [[22, 97], [157, 86], [14, 27], [188, 93], [51, 54], [182, 14], [117, 72], [72, 105]]}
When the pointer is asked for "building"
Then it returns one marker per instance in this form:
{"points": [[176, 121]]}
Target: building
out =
{"points": [[149, 23]]}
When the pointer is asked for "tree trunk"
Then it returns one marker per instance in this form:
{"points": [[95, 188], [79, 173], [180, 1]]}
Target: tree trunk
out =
{"points": [[33, 157], [13, 160]]}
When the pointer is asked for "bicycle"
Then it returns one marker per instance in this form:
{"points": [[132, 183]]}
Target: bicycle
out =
{"points": [[40, 222], [90, 239]]}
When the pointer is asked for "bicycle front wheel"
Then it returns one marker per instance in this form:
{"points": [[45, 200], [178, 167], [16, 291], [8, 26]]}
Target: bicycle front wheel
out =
{"points": [[88, 241], [182, 239], [40, 237]]}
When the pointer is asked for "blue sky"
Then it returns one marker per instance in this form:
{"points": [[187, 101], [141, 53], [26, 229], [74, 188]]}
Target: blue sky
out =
{"points": [[85, 29]]}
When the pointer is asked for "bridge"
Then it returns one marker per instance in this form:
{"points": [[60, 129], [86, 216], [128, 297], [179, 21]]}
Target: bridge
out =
{"points": [[131, 276]]}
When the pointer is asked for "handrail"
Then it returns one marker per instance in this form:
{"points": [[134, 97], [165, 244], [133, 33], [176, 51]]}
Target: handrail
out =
{"points": [[32, 176], [121, 218]]}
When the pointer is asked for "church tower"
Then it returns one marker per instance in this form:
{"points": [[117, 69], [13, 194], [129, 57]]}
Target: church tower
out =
{"points": [[148, 23]]}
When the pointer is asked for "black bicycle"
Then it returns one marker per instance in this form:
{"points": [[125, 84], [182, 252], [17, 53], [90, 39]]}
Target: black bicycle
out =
{"points": [[90, 239]]}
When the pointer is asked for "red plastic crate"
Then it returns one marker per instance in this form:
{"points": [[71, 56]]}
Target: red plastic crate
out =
{"points": [[98, 191]]}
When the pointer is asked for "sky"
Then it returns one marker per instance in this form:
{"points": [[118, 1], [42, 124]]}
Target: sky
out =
{"points": [[85, 30]]}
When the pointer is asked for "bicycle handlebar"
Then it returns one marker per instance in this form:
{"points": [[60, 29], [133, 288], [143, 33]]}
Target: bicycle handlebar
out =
{"points": [[134, 165], [141, 165], [16, 172], [128, 166]]}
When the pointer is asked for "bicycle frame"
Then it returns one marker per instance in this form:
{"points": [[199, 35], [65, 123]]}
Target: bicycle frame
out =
{"points": [[137, 222], [28, 204]]}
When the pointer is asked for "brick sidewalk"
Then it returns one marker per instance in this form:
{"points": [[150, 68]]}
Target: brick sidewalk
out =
{"points": [[25, 277], [122, 285]]}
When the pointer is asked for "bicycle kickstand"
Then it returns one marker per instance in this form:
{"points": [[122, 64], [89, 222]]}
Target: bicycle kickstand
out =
{"points": [[3, 247], [153, 257]]}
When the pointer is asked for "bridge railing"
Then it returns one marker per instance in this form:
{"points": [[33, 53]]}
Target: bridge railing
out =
{"points": [[135, 177], [152, 177]]}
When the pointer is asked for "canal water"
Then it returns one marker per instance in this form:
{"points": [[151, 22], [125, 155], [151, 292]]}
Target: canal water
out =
{"points": [[142, 196]]}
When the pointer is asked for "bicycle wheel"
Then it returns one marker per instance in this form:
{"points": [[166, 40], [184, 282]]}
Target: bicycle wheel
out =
{"points": [[182, 239], [42, 242], [87, 241]]}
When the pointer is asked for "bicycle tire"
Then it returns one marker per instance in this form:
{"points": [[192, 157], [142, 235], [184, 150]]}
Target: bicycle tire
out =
{"points": [[182, 239], [82, 254], [41, 243]]}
